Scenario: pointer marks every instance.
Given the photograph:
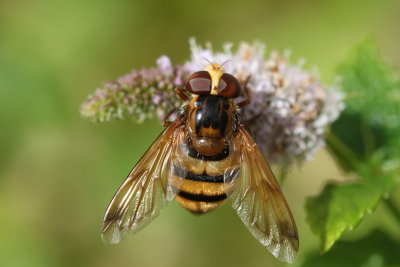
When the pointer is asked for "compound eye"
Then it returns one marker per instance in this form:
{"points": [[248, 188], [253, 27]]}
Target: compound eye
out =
{"points": [[199, 83], [229, 86]]}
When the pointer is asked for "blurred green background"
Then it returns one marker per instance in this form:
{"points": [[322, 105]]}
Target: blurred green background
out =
{"points": [[58, 171]]}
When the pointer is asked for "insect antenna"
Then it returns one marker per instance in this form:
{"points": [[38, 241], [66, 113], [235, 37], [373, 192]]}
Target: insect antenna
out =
{"points": [[226, 61], [206, 59]]}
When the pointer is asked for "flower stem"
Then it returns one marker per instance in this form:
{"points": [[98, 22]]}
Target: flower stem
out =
{"points": [[345, 156], [393, 209], [283, 174], [367, 138]]}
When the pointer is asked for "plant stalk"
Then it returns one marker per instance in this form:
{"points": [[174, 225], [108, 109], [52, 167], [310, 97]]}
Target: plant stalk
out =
{"points": [[394, 209]]}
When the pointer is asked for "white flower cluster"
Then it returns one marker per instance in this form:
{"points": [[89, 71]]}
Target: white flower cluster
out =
{"points": [[288, 112], [289, 108]]}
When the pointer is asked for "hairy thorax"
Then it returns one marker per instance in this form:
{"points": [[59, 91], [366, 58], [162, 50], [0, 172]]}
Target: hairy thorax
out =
{"points": [[210, 124]]}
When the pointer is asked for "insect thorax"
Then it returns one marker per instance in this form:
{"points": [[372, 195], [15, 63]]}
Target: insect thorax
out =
{"points": [[210, 123]]}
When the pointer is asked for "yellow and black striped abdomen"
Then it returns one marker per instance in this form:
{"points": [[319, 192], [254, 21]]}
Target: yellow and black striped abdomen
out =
{"points": [[200, 195], [201, 178]]}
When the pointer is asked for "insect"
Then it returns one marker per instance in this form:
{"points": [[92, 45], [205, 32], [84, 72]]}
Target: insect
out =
{"points": [[202, 158]]}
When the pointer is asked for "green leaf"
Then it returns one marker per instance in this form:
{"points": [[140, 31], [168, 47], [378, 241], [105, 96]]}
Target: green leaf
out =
{"points": [[364, 141], [371, 120], [375, 250], [371, 85], [381, 172], [361, 137], [339, 207], [342, 206]]}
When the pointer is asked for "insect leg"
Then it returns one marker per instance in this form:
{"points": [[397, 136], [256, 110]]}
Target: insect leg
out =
{"points": [[243, 103], [181, 94], [166, 122], [246, 92]]}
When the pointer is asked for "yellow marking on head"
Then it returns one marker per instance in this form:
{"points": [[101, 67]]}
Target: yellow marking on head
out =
{"points": [[215, 71]]}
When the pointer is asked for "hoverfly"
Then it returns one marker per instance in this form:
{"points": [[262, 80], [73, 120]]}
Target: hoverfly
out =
{"points": [[200, 159]]}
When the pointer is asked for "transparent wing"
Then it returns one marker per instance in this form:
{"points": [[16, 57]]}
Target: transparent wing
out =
{"points": [[259, 201], [146, 189]]}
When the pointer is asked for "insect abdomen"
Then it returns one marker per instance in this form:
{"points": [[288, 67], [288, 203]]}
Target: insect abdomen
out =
{"points": [[201, 177], [200, 193]]}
